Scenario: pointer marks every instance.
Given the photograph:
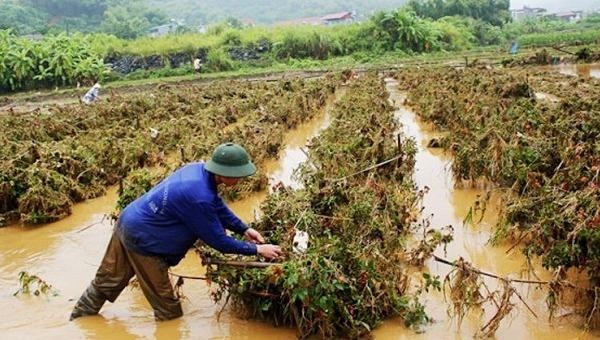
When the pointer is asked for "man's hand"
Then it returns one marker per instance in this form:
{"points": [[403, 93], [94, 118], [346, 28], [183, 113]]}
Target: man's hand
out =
{"points": [[268, 251], [253, 236]]}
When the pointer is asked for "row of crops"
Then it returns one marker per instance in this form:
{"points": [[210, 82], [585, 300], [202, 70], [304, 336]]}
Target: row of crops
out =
{"points": [[353, 274], [543, 153], [51, 161]]}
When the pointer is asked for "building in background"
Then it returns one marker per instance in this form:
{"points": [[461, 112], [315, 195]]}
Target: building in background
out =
{"points": [[527, 12], [570, 16], [328, 19], [338, 18]]}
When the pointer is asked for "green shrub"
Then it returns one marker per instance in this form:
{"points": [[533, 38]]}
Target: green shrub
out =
{"points": [[403, 30], [547, 39], [315, 44], [454, 37], [232, 37], [56, 60], [149, 74], [218, 60]]}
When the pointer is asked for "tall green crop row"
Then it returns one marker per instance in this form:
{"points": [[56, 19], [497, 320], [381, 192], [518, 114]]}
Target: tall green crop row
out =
{"points": [[56, 60]]}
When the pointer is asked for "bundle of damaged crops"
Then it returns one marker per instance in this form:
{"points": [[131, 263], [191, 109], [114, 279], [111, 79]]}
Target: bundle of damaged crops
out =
{"points": [[351, 276]]}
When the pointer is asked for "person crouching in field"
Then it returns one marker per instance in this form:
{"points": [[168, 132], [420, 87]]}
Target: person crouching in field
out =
{"points": [[155, 231]]}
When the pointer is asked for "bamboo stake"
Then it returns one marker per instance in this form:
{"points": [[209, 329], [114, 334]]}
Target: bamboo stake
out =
{"points": [[444, 261], [254, 264], [400, 151], [188, 276], [93, 224], [366, 169], [563, 51], [240, 264]]}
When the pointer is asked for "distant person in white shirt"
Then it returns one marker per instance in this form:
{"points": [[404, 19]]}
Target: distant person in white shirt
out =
{"points": [[92, 94], [197, 65]]}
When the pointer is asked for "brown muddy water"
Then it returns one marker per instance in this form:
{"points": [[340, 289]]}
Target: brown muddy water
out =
{"points": [[39, 107], [580, 70], [66, 254]]}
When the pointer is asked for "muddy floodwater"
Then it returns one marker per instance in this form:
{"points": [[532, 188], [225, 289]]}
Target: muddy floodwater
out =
{"points": [[580, 70], [67, 253]]}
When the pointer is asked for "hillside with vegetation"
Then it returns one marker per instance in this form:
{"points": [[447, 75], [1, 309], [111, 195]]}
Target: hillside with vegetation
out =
{"points": [[130, 19], [421, 27], [126, 19], [266, 11]]}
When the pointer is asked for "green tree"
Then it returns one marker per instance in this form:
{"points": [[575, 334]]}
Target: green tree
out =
{"points": [[266, 11], [131, 21], [71, 8], [402, 29], [128, 18], [155, 17], [234, 22], [21, 18], [119, 21], [494, 12]]}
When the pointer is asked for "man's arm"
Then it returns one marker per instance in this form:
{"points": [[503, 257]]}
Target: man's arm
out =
{"points": [[228, 218], [204, 221]]}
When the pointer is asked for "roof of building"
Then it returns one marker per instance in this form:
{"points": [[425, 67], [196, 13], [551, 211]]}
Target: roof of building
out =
{"points": [[528, 9], [566, 14], [336, 16], [318, 20], [303, 21]]}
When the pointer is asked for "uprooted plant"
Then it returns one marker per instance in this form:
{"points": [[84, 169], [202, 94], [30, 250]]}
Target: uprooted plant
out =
{"points": [[33, 284], [462, 287]]}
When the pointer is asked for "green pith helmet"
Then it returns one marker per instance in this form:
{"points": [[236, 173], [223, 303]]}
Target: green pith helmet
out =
{"points": [[230, 160]]}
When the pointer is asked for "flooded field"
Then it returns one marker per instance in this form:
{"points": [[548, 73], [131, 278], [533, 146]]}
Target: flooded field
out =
{"points": [[448, 205], [66, 254]]}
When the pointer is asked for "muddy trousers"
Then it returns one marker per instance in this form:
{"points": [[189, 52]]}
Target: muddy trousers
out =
{"points": [[117, 268]]}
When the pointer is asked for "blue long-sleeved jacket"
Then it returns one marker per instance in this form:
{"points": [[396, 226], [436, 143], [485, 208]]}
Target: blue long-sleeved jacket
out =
{"points": [[184, 207]]}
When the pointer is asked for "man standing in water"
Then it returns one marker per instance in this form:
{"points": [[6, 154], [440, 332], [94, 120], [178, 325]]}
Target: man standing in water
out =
{"points": [[156, 230]]}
